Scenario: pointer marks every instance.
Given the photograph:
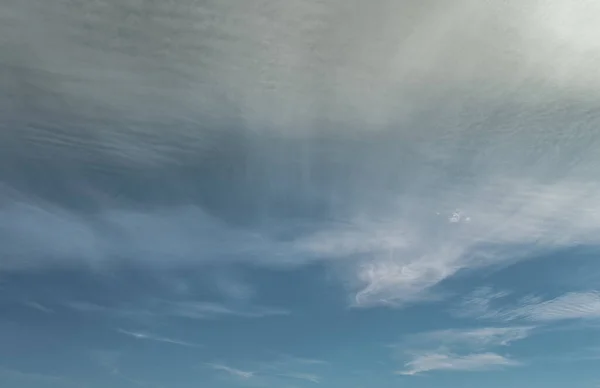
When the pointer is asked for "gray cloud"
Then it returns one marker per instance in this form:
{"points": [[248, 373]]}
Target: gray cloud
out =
{"points": [[404, 150]]}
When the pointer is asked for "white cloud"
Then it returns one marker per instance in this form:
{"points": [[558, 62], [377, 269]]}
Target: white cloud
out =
{"points": [[480, 303], [302, 376], [152, 337], [572, 305], [183, 309], [459, 349], [286, 367], [453, 362], [204, 310], [478, 338], [287, 359], [245, 375]]}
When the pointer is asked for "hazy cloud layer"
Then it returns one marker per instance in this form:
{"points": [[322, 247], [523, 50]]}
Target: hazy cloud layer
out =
{"points": [[422, 143]]}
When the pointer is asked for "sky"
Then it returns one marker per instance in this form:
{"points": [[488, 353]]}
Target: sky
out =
{"points": [[310, 193]]}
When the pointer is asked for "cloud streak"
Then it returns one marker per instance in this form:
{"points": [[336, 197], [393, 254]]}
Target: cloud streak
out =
{"points": [[460, 349], [179, 309], [311, 378], [478, 338], [569, 306], [452, 362], [152, 337], [12, 376], [39, 307], [244, 375], [573, 305]]}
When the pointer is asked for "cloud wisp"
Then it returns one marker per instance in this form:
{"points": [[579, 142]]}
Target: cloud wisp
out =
{"points": [[452, 362], [158, 308], [312, 378], [155, 338], [482, 304], [460, 349], [274, 372], [209, 310], [477, 338], [573, 305], [39, 307], [16, 377], [244, 375]]}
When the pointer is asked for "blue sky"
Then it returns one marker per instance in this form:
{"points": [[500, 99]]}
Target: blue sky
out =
{"points": [[261, 194]]}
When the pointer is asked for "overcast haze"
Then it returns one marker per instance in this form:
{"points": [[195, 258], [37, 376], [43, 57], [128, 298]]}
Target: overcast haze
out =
{"points": [[285, 194]]}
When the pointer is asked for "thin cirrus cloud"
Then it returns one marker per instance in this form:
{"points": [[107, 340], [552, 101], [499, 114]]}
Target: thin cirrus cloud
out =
{"points": [[478, 338], [453, 362], [302, 376], [460, 349], [426, 162], [39, 307], [573, 305], [292, 367], [245, 375], [178, 309], [205, 310], [285, 367], [18, 378], [483, 304], [155, 338]]}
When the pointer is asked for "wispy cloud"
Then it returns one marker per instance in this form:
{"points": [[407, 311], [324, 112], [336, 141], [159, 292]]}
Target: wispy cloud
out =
{"points": [[181, 309], [207, 310], [18, 378], [152, 337], [288, 359], [453, 362], [574, 305], [292, 367], [302, 376], [479, 337], [460, 349], [277, 371], [479, 303], [39, 307], [245, 375]]}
